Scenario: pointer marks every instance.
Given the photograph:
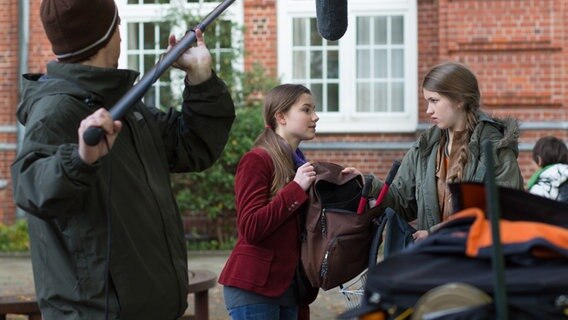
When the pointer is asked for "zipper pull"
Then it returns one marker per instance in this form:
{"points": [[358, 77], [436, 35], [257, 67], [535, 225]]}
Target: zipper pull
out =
{"points": [[323, 271]]}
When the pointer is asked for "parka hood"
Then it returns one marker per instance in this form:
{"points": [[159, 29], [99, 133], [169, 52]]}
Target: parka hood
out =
{"points": [[508, 127], [109, 85]]}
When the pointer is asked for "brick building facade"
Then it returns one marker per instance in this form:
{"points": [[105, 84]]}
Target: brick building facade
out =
{"points": [[518, 49]]}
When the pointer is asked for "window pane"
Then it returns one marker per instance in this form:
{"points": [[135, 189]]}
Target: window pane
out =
{"points": [[149, 62], [381, 64], [380, 30], [363, 97], [316, 39], [225, 34], [164, 34], [398, 63], [132, 1], [397, 96], [317, 93], [332, 43], [299, 65], [363, 63], [381, 97], [397, 30], [310, 55], [363, 30], [132, 36], [332, 97], [316, 65], [299, 32], [333, 64], [149, 36], [133, 62]]}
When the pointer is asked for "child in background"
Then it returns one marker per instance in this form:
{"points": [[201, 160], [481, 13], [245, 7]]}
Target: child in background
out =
{"points": [[551, 180]]}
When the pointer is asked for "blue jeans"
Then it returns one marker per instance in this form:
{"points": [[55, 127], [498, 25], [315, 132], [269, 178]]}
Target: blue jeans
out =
{"points": [[264, 312]]}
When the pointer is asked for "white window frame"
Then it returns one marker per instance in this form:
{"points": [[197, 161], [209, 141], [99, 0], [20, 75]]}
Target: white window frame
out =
{"points": [[157, 12], [347, 119]]}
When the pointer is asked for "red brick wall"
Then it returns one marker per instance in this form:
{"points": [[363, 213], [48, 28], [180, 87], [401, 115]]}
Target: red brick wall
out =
{"points": [[9, 94], [39, 53], [260, 34], [39, 47]]}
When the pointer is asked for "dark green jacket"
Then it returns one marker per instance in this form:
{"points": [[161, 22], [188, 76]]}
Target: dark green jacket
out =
{"points": [[68, 201], [413, 193]]}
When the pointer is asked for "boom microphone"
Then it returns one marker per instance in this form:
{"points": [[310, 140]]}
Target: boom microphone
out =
{"points": [[332, 18]]}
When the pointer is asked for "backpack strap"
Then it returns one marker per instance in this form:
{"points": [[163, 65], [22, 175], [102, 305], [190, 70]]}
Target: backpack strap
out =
{"points": [[398, 235]]}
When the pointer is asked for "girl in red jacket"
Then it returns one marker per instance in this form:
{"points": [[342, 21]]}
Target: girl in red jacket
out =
{"points": [[270, 192]]}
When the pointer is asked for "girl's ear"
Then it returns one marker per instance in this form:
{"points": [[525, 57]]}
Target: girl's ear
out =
{"points": [[539, 161], [280, 118]]}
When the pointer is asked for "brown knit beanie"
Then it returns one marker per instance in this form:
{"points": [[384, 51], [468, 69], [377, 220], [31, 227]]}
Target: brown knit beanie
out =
{"points": [[78, 29]]}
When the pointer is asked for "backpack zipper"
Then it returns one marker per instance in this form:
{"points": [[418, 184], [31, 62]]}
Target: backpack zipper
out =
{"points": [[323, 224], [323, 271], [325, 263]]}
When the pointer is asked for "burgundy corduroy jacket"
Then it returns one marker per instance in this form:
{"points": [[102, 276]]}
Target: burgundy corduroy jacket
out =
{"points": [[267, 250]]}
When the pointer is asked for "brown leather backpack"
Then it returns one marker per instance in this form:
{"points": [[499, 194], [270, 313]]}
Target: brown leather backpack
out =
{"points": [[336, 240]]}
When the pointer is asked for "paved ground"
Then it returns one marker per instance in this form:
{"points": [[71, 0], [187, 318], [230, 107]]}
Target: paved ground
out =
{"points": [[16, 278]]}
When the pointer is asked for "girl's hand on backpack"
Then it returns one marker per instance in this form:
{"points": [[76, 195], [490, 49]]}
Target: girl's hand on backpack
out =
{"points": [[351, 170], [420, 235], [354, 170], [305, 176]]}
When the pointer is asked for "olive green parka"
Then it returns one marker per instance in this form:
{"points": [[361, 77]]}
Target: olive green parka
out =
{"points": [[68, 201], [413, 193]]}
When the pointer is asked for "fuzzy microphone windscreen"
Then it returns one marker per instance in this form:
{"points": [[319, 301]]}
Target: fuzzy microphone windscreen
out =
{"points": [[331, 18]]}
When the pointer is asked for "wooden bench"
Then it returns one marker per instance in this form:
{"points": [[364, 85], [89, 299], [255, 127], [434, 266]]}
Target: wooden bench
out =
{"points": [[200, 281], [19, 305]]}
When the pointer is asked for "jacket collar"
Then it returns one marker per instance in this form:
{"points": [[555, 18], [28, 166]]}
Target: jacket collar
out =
{"points": [[106, 85]]}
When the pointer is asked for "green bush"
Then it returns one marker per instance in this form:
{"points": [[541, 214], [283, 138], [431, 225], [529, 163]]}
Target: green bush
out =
{"points": [[211, 192], [208, 245], [14, 238]]}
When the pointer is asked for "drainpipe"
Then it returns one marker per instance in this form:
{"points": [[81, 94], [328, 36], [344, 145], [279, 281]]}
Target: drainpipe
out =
{"points": [[23, 44]]}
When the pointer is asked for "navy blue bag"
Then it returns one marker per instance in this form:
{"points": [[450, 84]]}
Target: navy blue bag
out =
{"points": [[398, 235]]}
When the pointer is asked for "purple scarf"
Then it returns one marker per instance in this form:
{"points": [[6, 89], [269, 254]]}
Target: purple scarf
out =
{"points": [[299, 158]]}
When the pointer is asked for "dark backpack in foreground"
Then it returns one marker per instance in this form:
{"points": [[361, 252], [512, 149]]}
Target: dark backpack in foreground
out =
{"points": [[536, 284], [336, 240]]}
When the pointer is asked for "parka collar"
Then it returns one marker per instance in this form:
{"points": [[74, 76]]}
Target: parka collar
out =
{"points": [[108, 84], [101, 86]]}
